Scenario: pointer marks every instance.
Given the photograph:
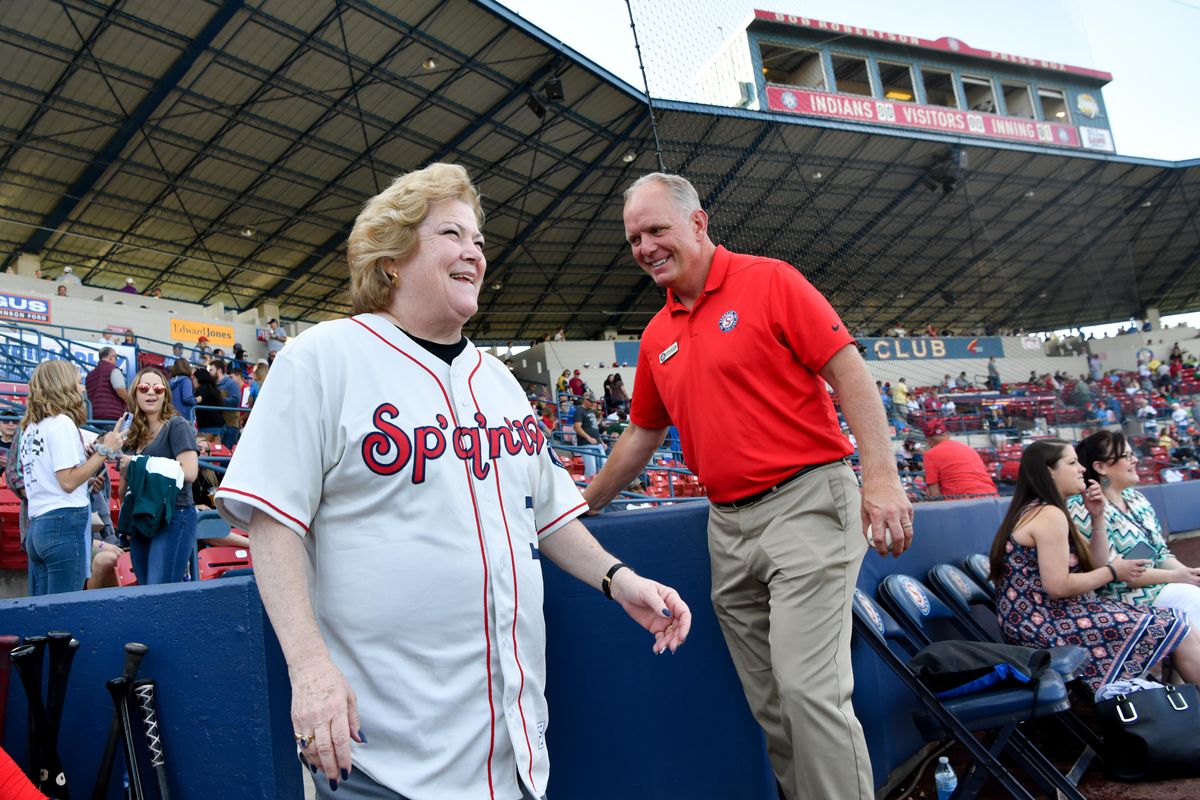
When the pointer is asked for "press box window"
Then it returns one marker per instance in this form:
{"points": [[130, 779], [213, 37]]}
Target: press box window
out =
{"points": [[850, 75], [792, 67], [939, 88], [1054, 105], [897, 81], [1017, 100], [979, 94]]}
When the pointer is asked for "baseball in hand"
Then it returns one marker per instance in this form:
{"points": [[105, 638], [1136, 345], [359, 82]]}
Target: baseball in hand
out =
{"points": [[887, 537]]}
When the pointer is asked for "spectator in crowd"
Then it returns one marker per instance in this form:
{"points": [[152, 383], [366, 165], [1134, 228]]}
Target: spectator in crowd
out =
{"points": [[306, 521], [587, 435], [560, 335], [69, 278], [1095, 367], [608, 398], [900, 398], [910, 456], [949, 408], [260, 374], [1033, 378], [1129, 521], [105, 556], [953, 469], [158, 431], [210, 422], [231, 397], [619, 396], [947, 384], [106, 387], [8, 430], [202, 347], [156, 292], [576, 385], [130, 339], [563, 384], [615, 427], [109, 337], [1179, 415], [176, 354], [62, 290], [993, 374], [962, 381], [276, 338], [791, 493], [183, 389], [238, 362], [56, 468], [1046, 578], [129, 287], [1081, 393]]}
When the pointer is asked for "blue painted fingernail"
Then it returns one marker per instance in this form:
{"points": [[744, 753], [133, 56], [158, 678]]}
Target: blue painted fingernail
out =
{"points": [[362, 737], [332, 785], [345, 774], [666, 612]]}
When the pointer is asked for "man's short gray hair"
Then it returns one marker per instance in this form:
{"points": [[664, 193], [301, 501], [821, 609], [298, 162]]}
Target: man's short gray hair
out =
{"points": [[680, 190]]}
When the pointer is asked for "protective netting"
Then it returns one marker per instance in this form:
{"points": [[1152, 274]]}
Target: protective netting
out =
{"points": [[900, 229]]}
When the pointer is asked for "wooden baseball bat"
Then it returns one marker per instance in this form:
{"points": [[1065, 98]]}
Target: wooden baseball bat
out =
{"points": [[119, 689], [144, 691], [62, 648], [7, 643], [134, 653], [45, 772]]}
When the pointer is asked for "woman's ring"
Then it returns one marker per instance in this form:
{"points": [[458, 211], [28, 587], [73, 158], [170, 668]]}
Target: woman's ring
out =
{"points": [[304, 741]]}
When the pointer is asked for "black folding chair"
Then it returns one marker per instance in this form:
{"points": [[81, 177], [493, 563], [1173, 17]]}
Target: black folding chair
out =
{"points": [[996, 711], [918, 610]]}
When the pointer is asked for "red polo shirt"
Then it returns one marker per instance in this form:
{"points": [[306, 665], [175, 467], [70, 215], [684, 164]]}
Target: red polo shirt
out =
{"points": [[957, 470], [738, 375]]}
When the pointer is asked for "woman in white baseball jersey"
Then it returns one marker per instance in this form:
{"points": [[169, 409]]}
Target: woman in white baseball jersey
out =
{"points": [[399, 493]]}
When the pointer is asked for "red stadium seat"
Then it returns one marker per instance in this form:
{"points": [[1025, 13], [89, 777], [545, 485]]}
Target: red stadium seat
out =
{"points": [[11, 554], [216, 561], [125, 576]]}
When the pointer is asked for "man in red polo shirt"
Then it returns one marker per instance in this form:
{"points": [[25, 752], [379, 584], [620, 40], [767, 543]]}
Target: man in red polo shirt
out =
{"points": [[738, 359], [953, 469]]}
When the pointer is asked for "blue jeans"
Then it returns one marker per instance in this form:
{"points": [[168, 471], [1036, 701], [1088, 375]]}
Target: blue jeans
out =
{"points": [[164, 557], [588, 453], [59, 553]]}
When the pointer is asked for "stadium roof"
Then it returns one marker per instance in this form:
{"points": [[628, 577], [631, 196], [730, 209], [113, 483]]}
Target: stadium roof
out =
{"points": [[220, 151]]}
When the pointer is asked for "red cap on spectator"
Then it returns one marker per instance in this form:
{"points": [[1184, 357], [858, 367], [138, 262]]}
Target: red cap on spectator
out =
{"points": [[202, 339], [934, 429], [576, 372]]}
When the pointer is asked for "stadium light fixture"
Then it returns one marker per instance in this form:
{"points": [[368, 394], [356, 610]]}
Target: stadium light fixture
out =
{"points": [[248, 232], [553, 87], [1147, 203], [1029, 193], [629, 156], [818, 175], [429, 63]]}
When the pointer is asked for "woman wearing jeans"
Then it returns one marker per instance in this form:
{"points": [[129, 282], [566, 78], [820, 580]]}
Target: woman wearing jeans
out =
{"points": [[56, 469], [158, 430]]}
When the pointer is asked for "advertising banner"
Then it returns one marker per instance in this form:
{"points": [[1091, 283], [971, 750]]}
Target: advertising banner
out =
{"points": [[19, 308], [932, 347], [912, 115], [186, 330]]}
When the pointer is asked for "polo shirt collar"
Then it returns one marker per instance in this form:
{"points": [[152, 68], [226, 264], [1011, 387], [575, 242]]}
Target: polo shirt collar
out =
{"points": [[716, 276]]}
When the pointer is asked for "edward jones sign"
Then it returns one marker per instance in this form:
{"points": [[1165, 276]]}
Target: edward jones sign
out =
{"points": [[185, 330]]}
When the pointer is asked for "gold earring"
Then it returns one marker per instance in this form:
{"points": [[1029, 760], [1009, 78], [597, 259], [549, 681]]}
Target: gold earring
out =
{"points": [[392, 275]]}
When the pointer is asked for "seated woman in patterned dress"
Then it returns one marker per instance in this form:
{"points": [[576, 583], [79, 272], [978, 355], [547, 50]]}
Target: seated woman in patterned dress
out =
{"points": [[1046, 582], [1129, 521]]}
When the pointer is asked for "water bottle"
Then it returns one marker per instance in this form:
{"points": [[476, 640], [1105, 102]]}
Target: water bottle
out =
{"points": [[945, 779]]}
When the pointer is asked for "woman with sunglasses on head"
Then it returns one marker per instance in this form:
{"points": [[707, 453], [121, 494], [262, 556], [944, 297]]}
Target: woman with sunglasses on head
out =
{"points": [[158, 430], [56, 468], [1047, 576], [1128, 521]]}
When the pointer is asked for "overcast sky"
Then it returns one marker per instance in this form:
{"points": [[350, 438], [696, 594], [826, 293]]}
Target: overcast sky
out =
{"points": [[1149, 47]]}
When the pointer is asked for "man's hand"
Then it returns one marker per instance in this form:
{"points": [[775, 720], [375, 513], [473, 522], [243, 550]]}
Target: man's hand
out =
{"points": [[887, 511], [657, 608]]}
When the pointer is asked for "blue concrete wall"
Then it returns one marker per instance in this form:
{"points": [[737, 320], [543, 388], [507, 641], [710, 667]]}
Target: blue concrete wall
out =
{"points": [[223, 697], [623, 721]]}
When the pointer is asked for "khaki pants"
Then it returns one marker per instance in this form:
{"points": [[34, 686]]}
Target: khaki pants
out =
{"points": [[783, 575]]}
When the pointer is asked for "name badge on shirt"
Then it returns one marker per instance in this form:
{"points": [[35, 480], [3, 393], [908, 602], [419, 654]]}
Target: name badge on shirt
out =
{"points": [[670, 351]]}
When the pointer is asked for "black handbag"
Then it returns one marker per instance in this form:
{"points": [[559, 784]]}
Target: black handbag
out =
{"points": [[1151, 734]]}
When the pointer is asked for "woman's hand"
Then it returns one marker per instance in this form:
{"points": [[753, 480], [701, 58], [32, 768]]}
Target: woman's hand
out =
{"points": [[1093, 500], [1186, 575], [1129, 570], [657, 608], [325, 711]]}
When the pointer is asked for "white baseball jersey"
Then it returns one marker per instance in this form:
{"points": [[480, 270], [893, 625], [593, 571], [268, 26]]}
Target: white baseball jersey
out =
{"points": [[421, 490]]}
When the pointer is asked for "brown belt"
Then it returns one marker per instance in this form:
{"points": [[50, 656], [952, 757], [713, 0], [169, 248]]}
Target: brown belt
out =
{"points": [[751, 499]]}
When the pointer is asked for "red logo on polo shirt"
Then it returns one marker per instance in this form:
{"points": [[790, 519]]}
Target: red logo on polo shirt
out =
{"points": [[728, 321]]}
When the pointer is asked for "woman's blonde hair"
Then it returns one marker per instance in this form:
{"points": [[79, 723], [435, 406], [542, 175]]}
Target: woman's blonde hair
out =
{"points": [[386, 229], [54, 390], [260, 372], [139, 431]]}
